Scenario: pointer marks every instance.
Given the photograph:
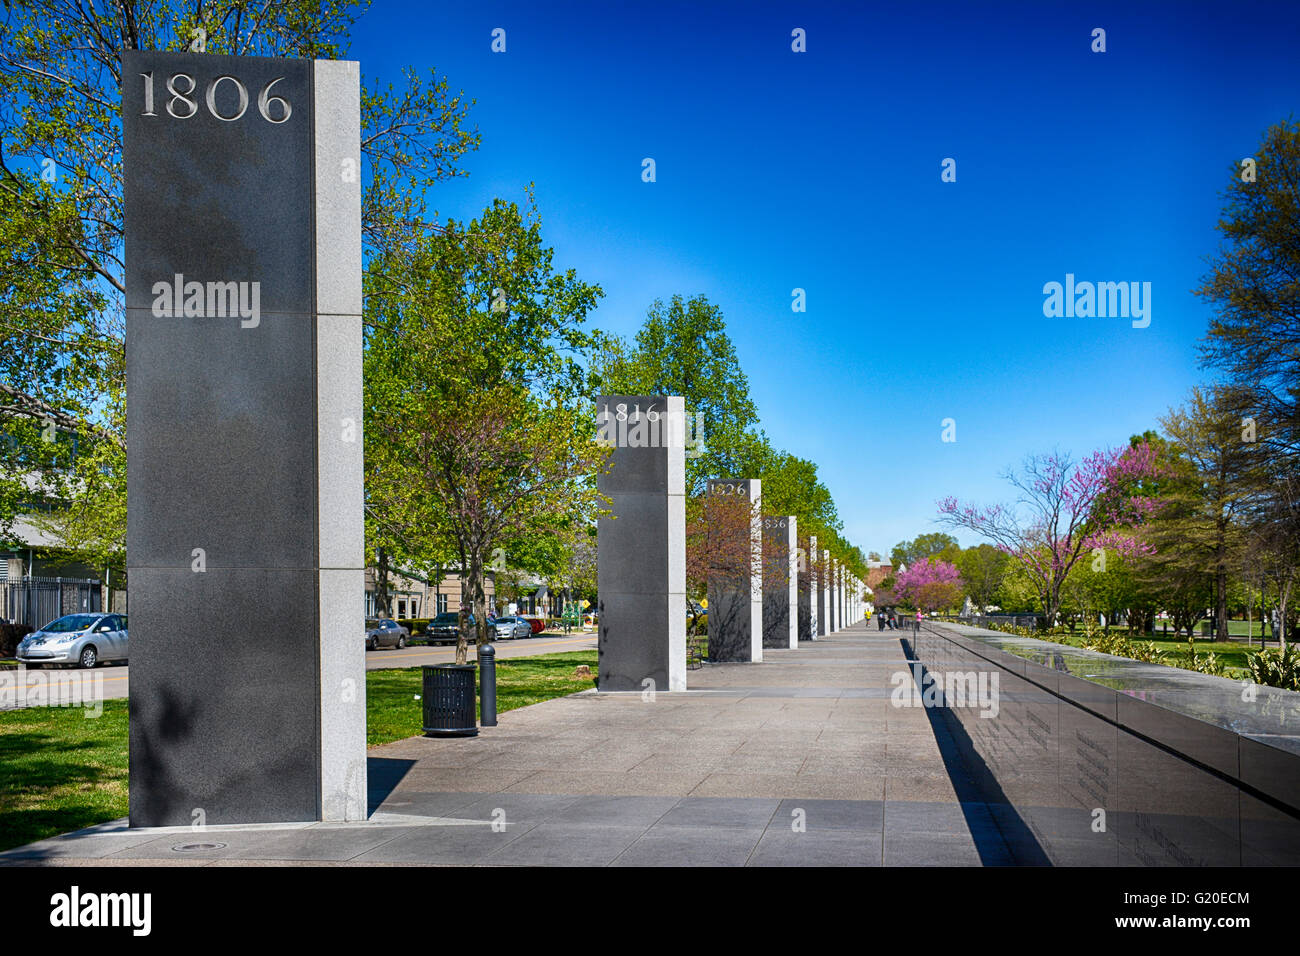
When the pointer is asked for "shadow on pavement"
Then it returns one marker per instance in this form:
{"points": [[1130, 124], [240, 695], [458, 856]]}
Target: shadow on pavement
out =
{"points": [[963, 762], [383, 774]]}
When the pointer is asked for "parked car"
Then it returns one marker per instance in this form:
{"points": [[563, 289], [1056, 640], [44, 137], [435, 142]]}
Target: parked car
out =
{"points": [[509, 628], [381, 632], [538, 624], [84, 639], [445, 628], [442, 628]]}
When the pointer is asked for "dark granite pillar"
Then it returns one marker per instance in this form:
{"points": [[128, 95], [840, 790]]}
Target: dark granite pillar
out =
{"points": [[641, 545], [780, 582], [243, 358], [736, 596]]}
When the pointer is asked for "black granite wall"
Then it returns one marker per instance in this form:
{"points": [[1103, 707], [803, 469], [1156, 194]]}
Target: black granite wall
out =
{"points": [[1093, 760]]}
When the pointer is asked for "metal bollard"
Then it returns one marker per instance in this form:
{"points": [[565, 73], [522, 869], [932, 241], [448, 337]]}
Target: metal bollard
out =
{"points": [[487, 685]]}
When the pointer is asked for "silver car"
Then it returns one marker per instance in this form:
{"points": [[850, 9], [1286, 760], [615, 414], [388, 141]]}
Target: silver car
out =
{"points": [[508, 628], [382, 632], [84, 639]]}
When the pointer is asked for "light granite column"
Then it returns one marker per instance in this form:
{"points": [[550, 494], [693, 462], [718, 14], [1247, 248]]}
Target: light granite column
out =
{"points": [[641, 544], [341, 583], [736, 595], [780, 581]]}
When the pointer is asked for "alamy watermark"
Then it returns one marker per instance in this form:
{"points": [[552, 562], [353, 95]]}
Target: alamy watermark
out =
{"points": [[20, 687], [1102, 300], [920, 688], [650, 427], [75, 909], [212, 300]]}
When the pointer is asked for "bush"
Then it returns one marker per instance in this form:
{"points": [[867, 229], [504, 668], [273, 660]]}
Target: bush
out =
{"points": [[1276, 667], [10, 635], [416, 625], [1121, 646], [1202, 663]]}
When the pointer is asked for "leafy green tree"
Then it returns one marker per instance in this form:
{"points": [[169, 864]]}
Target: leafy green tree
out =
{"points": [[932, 545], [683, 349], [791, 487], [1254, 338], [479, 435], [61, 306], [1207, 434], [983, 569], [1255, 335]]}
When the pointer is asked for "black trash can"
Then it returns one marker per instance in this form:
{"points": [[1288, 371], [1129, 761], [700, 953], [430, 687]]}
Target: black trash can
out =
{"points": [[449, 701]]}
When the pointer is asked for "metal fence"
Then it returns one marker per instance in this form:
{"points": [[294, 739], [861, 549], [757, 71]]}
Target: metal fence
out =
{"points": [[37, 601]]}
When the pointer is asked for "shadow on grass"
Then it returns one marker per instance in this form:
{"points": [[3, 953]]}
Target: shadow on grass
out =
{"points": [[40, 766]]}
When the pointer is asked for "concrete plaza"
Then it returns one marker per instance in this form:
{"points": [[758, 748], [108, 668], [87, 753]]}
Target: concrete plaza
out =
{"points": [[799, 760]]}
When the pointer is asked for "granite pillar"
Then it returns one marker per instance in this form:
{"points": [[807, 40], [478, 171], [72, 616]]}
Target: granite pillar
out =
{"points": [[641, 544], [824, 594], [245, 533], [736, 594], [807, 572], [839, 596], [780, 582], [836, 614]]}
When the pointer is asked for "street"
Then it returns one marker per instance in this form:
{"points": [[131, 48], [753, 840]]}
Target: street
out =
{"points": [[114, 678]]}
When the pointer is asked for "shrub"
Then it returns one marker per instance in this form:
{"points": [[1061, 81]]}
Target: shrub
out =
{"points": [[10, 635], [1276, 667], [1121, 646], [1202, 663]]}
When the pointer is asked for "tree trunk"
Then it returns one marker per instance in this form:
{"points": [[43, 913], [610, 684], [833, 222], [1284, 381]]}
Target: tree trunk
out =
{"points": [[478, 593], [383, 601], [1283, 599], [1221, 600], [462, 617]]}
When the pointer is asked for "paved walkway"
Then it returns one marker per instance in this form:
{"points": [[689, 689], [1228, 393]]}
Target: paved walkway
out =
{"points": [[800, 760]]}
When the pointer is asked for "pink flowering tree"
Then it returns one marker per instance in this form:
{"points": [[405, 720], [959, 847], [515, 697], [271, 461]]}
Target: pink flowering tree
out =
{"points": [[1065, 510], [931, 585]]}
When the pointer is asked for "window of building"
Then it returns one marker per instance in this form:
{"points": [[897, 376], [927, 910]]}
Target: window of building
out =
{"points": [[442, 604]]}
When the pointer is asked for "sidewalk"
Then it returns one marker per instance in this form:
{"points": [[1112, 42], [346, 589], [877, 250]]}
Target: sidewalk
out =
{"points": [[799, 760]]}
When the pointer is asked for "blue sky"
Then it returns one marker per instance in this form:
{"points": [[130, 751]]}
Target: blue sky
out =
{"points": [[821, 171]]}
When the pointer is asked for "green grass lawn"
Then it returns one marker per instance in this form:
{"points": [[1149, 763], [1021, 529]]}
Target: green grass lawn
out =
{"points": [[1232, 653], [393, 713], [60, 771]]}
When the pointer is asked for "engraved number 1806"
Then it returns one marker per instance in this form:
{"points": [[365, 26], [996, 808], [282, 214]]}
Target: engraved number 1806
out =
{"points": [[182, 104]]}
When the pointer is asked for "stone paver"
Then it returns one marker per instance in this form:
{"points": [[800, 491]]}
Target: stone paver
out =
{"points": [[799, 760]]}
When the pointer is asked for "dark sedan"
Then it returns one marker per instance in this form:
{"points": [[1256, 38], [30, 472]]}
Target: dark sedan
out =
{"points": [[444, 628]]}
